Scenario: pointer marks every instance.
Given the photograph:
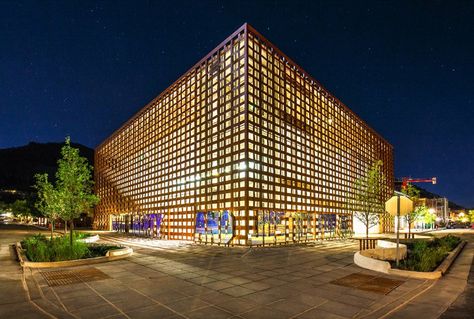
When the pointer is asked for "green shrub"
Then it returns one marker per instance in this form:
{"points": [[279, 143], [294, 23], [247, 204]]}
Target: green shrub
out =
{"points": [[429, 258], [426, 256], [63, 251], [100, 250], [449, 242], [83, 235], [39, 248]]}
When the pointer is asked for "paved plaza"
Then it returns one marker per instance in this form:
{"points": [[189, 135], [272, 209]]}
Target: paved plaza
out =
{"points": [[183, 280]]}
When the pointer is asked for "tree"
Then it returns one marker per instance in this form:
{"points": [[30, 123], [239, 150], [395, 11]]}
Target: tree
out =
{"points": [[414, 194], [368, 203], [21, 209], [4, 207], [48, 199], [470, 216], [424, 214], [74, 185], [428, 216]]}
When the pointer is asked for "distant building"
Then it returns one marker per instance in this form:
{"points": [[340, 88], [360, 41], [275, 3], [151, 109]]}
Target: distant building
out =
{"points": [[438, 206], [244, 148], [459, 214]]}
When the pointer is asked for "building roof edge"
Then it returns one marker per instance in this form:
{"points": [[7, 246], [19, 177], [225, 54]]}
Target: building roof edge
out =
{"points": [[243, 27], [264, 39]]}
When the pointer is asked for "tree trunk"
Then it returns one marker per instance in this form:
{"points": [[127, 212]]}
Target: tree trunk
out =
{"points": [[409, 229], [52, 228], [65, 227], [367, 228], [71, 229]]}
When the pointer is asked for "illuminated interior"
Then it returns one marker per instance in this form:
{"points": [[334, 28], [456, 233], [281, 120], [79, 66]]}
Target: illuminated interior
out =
{"points": [[245, 131]]}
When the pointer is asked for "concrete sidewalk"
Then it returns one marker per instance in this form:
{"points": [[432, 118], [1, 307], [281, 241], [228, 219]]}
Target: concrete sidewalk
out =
{"points": [[179, 280], [435, 299], [214, 282], [15, 299], [463, 306], [444, 291]]}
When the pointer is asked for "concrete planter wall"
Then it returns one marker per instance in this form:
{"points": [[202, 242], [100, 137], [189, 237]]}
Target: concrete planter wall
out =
{"points": [[385, 267], [89, 240], [386, 250], [111, 255], [371, 263]]}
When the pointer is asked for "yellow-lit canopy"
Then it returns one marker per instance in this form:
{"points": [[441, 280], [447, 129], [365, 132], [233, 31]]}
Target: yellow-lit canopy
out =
{"points": [[406, 205]]}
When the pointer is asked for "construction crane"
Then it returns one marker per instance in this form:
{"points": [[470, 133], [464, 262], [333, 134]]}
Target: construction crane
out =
{"points": [[406, 180]]}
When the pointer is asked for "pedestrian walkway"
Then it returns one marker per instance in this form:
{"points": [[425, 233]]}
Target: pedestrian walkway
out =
{"points": [[184, 280], [463, 307], [196, 281], [433, 303], [15, 300]]}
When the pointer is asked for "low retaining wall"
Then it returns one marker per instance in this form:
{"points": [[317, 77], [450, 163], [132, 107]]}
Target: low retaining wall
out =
{"points": [[387, 250], [111, 255], [91, 239], [385, 267], [371, 263]]}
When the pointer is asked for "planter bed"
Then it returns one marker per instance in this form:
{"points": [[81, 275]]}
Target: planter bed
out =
{"points": [[363, 260], [57, 252], [426, 256], [89, 238]]}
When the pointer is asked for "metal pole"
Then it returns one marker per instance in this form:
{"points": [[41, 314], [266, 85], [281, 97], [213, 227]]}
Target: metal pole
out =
{"points": [[398, 226]]}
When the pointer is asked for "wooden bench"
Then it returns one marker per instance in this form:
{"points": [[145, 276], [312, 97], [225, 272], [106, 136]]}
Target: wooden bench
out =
{"points": [[367, 243]]}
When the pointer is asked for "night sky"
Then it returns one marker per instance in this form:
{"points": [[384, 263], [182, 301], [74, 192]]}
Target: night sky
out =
{"points": [[83, 68]]}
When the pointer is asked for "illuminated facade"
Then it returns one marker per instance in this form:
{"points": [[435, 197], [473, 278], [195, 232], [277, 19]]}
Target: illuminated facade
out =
{"points": [[245, 148]]}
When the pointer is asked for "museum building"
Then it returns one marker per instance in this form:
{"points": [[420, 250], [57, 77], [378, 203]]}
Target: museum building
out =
{"points": [[245, 148]]}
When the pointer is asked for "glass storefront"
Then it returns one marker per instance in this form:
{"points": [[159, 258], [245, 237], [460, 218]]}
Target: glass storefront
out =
{"points": [[146, 225], [214, 227], [275, 228]]}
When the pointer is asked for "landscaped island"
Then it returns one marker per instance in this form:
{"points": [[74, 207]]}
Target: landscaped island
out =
{"points": [[423, 255], [39, 248], [422, 259]]}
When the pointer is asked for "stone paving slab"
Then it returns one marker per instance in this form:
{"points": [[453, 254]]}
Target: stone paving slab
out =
{"points": [[463, 306], [191, 281], [432, 305], [15, 301]]}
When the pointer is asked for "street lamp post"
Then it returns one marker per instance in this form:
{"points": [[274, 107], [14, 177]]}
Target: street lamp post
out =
{"points": [[396, 206], [398, 227]]}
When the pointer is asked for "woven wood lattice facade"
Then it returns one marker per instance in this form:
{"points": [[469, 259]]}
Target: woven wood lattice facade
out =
{"points": [[246, 131]]}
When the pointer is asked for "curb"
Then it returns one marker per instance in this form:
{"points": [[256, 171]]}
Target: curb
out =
{"points": [[88, 240], [36, 297], [451, 257], [385, 267], [111, 255]]}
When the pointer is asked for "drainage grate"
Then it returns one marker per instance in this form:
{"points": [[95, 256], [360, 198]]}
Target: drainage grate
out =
{"points": [[70, 277], [375, 284]]}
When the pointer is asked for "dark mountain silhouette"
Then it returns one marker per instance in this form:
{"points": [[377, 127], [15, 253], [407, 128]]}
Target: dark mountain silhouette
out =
{"points": [[18, 165], [426, 194]]}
